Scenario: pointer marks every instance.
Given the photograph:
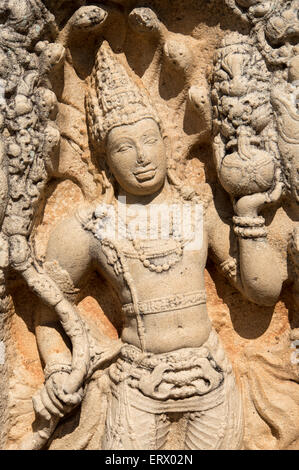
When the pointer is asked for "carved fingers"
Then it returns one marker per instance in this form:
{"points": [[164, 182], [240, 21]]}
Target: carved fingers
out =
{"points": [[44, 407], [51, 405], [61, 387], [275, 194], [250, 205], [53, 401]]}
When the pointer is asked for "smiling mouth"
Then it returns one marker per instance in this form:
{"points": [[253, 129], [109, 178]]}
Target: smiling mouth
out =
{"points": [[145, 174]]}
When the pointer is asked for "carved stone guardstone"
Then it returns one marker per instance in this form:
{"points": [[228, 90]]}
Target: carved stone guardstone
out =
{"points": [[149, 237]]}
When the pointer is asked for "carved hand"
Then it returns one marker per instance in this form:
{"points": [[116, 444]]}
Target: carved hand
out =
{"points": [[53, 399], [249, 206]]}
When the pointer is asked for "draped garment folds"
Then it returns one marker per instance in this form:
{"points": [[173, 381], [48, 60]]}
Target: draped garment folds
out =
{"points": [[130, 405]]}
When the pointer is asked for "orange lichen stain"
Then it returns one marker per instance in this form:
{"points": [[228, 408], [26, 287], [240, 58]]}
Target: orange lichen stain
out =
{"points": [[63, 201], [92, 312], [25, 347]]}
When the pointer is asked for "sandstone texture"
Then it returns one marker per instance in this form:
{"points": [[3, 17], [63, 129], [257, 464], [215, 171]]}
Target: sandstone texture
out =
{"points": [[109, 110]]}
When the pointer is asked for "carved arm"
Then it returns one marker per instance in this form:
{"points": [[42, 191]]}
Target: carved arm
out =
{"points": [[247, 258], [57, 321]]}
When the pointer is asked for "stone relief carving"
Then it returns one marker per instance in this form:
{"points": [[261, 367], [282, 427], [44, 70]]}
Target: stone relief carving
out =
{"points": [[255, 102], [117, 339]]}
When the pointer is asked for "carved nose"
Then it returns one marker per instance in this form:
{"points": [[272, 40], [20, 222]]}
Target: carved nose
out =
{"points": [[141, 158]]}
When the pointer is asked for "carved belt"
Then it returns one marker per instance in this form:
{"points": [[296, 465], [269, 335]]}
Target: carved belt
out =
{"points": [[175, 375], [167, 304]]}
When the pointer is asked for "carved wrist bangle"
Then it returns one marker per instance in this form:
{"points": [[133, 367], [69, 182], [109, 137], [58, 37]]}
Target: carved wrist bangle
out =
{"points": [[250, 227], [53, 368], [249, 221], [250, 232]]}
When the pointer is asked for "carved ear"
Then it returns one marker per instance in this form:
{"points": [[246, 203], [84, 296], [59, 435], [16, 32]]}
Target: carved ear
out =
{"points": [[166, 139], [167, 144]]}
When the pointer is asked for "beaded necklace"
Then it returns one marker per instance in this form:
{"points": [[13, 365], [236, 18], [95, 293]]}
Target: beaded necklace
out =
{"points": [[117, 257]]}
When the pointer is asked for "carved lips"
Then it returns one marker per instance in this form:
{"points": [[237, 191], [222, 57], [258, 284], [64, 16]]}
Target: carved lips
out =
{"points": [[145, 173]]}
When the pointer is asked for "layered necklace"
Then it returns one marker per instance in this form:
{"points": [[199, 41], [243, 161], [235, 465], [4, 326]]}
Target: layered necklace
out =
{"points": [[173, 236], [117, 255]]}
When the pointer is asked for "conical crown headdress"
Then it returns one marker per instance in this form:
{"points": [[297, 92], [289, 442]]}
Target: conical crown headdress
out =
{"points": [[115, 98]]}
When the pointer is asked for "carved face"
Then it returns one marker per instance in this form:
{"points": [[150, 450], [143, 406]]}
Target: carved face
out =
{"points": [[136, 156]]}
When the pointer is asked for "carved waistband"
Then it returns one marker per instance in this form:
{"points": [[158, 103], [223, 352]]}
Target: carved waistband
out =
{"points": [[167, 304], [174, 375]]}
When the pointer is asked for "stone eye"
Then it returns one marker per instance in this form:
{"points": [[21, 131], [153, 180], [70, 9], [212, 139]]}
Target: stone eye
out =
{"points": [[151, 141], [124, 148]]}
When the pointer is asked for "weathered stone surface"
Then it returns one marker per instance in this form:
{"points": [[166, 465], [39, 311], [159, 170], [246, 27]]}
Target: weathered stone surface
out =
{"points": [[172, 104]]}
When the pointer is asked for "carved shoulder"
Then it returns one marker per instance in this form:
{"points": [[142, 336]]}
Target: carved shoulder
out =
{"points": [[69, 245]]}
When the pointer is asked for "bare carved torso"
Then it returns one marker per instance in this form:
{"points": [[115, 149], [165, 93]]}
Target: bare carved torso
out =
{"points": [[164, 331]]}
